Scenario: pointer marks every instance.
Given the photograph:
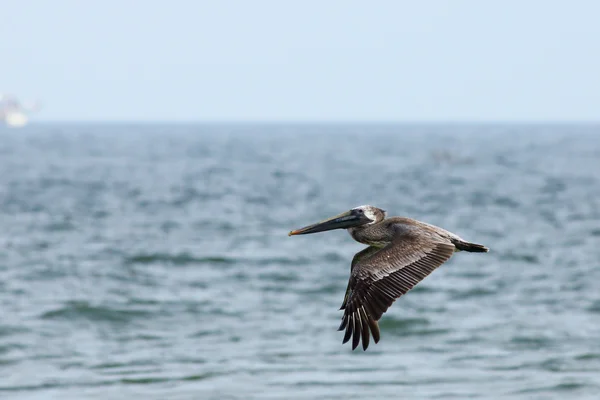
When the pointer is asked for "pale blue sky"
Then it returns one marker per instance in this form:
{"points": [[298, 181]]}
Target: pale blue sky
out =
{"points": [[343, 60]]}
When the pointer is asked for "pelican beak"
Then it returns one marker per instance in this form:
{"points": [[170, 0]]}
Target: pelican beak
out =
{"points": [[345, 220]]}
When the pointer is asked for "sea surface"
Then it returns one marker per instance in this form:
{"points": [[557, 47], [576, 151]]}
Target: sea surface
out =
{"points": [[153, 262]]}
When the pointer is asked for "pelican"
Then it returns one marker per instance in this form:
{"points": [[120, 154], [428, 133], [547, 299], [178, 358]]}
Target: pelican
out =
{"points": [[401, 253]]}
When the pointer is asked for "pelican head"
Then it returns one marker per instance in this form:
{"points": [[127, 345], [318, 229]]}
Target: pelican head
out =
{"points": [[358, 216]]}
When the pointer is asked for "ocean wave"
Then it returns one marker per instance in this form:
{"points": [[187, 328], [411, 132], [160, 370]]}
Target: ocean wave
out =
{"points": [[82, 310]]}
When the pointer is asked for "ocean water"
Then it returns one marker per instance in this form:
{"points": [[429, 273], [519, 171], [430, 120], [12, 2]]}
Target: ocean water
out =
{"points": [[153, 262]]}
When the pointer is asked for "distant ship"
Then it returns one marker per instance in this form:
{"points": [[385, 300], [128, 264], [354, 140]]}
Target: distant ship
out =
{"points": [[13, 113]]}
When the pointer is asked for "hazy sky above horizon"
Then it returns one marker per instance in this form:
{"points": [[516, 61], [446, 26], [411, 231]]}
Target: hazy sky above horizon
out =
{"points": [[308, 60]]}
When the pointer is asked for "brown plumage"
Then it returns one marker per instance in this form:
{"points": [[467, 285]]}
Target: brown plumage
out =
{"points": [[401, 253]]}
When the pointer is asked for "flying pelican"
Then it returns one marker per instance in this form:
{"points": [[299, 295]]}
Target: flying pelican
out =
{"points": [[401, 253]]}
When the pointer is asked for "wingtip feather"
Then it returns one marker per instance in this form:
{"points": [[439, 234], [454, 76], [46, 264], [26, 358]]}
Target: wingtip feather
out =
{"points": [[348, 333], [365, 328], [357, 330]]}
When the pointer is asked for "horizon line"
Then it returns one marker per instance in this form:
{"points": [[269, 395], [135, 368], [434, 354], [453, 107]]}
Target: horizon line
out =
{"points": [[315, 122]]}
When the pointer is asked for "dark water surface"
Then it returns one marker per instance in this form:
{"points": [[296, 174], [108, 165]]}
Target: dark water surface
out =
{"points": [[153, 262]]}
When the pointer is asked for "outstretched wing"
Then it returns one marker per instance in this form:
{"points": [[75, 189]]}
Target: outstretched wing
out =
{"points": [[378, 279]]}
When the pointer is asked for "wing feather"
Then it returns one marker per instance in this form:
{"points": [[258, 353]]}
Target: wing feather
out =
{"points": [[357, 257], [379, 276]]}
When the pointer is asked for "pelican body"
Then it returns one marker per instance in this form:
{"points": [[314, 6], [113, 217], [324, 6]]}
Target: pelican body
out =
{"points": [[401, 253]]}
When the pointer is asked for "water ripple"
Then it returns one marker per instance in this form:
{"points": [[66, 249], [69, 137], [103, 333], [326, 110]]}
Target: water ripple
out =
{"points": [[154, 261]]}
